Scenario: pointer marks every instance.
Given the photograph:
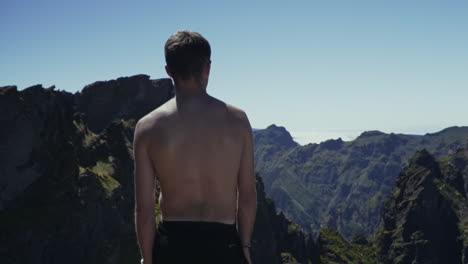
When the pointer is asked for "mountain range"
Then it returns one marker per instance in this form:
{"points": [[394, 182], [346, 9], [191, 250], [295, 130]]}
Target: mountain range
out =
{"points": [[341, 184], [66, 185]]}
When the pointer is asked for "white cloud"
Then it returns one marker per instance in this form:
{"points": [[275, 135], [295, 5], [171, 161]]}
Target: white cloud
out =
{"points": [[320, 135]]}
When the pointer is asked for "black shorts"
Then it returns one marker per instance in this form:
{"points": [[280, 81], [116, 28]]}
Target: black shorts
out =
{"points": [[197, 242]]}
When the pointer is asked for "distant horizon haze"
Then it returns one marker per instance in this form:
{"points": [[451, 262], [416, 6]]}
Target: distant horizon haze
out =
{"points": [[320, 135]]}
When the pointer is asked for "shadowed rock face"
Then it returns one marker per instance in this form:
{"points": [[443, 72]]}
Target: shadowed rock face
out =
{"points": [[341, 184], [425, 217], [66, 170], [37, 135], [275, 236], [66, 177]]}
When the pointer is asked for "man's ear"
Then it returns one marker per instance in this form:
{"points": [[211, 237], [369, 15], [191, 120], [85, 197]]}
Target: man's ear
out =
{"points": [[207, 68], [169, 72]]}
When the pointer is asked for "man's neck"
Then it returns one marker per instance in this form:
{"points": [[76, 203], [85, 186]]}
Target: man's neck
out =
{"points": [[190, 93], [190, 97], [189, 90]]}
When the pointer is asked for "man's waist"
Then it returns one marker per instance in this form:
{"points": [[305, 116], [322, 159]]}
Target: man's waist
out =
{"points": [[194, 232], [172, 225]]}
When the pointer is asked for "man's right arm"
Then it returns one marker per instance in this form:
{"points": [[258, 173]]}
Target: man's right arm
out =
{"points": [[247, 199]]}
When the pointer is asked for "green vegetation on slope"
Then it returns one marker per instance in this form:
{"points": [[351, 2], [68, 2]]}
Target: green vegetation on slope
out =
{"points": [[104, 170], [336, 250], [287, 258]]}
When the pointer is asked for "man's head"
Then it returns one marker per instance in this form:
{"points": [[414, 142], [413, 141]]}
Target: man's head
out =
{"points": [[187, 55]]}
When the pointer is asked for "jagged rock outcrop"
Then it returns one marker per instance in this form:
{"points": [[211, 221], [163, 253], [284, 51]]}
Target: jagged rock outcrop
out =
{"points": [[341, 184], [124, 98], [425, 217], [66, 171], [37, 135], [276, 136]]}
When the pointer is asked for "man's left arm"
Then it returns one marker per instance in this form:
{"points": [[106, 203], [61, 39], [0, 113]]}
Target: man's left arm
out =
{"points": [[145, 192]]}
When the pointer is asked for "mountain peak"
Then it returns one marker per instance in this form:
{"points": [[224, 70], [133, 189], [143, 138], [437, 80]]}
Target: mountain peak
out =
{"points": [[274, 126], [274, 134], [371, 133], [112, 84], [332, 144], [423, 158], [125, 97]]}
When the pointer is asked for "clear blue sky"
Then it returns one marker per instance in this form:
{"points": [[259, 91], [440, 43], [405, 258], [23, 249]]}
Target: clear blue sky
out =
{"points": [[323, 69]]}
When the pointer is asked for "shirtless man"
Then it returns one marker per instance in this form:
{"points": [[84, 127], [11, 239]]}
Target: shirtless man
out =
{"points": [[200, 150]]}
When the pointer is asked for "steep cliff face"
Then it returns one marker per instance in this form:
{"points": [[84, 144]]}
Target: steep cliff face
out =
{"points": [[425, 216], [37, 135], [341, 184], [66, 177], [276, 238]]}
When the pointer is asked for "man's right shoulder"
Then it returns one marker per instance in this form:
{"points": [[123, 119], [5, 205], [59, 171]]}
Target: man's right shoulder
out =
{"points": [[237, 112], [156, 117], [160, 112]]}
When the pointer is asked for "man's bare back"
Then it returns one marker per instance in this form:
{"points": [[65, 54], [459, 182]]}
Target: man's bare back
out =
{"points": [[195, 147], [201, 152]]}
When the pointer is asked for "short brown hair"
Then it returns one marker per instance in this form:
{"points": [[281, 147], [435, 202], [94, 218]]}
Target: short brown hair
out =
{"points": [[186, 53]]}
